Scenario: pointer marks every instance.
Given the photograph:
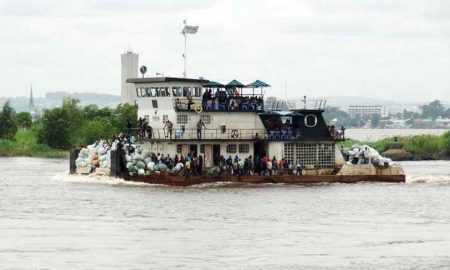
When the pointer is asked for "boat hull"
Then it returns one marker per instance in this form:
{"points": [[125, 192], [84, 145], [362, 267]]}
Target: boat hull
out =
{"points": [[257, 179]]}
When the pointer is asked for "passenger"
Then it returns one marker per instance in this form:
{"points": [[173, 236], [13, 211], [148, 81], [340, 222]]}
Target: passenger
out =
{"points": [[194, 165], [200, 125], [149, 131], [204, 100], [140, 122], [334, 133], [274, 165], [246, 167], [241, 165], [189, 102], [282, 166], [299, 168], [229, 164], [269, 167], [169, 126], [264, 170], [200, 165], [144, 128], [250, 165]]}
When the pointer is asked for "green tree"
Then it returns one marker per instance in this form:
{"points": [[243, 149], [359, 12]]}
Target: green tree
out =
{"points": [[123, 114], [332, 113], [23, 119], [74, 119], [375, 120], [433, 110], [97, 129], [90, 112], [55, 130], [446, 142], [8, 125]]}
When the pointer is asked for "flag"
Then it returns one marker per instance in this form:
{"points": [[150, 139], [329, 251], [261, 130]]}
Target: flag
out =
{"points": [[188, 29]]}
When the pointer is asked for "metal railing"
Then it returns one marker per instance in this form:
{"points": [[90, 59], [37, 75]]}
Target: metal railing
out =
{"points": [[217, 134], [196, 105]]}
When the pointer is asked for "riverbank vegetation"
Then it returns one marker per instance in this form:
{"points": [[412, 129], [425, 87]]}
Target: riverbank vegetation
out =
{"points": [[60, 128], [422, 147]]}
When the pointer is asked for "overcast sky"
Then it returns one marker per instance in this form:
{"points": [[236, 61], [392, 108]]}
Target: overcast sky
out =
{"points": [[374, 48]]}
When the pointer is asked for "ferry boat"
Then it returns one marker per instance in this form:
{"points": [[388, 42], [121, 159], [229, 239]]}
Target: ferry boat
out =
{"points": [[236, 122]]}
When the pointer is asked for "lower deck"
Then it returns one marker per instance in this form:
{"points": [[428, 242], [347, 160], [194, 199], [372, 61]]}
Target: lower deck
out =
{"points": [[310, 154]]}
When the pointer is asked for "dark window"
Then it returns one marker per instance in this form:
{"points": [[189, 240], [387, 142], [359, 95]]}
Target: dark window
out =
{"points": [[155, 104]]}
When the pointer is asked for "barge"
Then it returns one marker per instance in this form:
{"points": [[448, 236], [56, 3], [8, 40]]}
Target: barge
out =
{"points": [[201, 119]]}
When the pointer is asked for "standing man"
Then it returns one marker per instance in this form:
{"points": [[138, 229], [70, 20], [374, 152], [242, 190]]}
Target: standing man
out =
{"points": [[169, 126], [200, 124]]}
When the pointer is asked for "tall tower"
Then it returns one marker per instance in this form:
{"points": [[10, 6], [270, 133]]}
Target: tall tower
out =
{"points": [[129, 70], [31, 106]]}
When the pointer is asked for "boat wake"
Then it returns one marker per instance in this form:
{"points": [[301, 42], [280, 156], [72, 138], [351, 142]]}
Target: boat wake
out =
{"points": [[97, 179], [425, 179]]}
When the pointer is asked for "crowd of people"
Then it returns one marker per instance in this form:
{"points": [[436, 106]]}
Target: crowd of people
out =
{"points": [[193, 164], [230, 100], [260, 166], [281, 130]]}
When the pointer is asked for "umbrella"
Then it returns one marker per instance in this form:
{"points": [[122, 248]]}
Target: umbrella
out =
{"points": [[258, 83], [214, 84]]}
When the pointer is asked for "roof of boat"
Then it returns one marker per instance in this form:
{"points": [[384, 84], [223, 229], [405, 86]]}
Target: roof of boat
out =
{"points": [[166, 79]]}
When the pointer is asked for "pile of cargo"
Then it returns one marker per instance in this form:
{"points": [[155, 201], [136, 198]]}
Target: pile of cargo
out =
{"points": [[97, 155], [142, 162], [365, 154]]}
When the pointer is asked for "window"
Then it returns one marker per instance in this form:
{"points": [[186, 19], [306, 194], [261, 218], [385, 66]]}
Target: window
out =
{"points": [[179, 148], [147, 118], [155, 104], [202, 148], [147, 92], [244, 148], [165, 118], [197, 91], [231, 148], [186, 91], [182, 119], [140, 92], [206, 119], [176, 91], [152, 92], [164, 91]]}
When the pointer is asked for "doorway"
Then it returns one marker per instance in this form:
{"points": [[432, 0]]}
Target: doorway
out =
{"points": [[193, 149], [216, 154]]}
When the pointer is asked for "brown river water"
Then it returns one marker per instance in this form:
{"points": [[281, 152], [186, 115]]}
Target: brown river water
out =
{"points": [[49, 220]]}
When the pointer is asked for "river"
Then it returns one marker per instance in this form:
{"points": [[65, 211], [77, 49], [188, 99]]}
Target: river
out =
{"points": [[49, 220]]}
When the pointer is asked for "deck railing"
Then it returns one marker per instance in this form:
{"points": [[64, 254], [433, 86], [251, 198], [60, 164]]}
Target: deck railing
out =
{"points": [[197, 104], [218, 134]]}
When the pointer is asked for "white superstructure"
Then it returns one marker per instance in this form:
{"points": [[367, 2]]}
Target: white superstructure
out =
{"points": [[130, 63], [238, 131]]}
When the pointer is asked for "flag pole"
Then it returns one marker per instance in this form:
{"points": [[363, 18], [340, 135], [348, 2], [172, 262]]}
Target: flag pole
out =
{"points": [[185, 41]]}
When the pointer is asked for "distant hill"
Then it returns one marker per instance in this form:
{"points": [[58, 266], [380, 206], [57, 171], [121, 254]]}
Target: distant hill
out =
{"points": [[54, 99]]}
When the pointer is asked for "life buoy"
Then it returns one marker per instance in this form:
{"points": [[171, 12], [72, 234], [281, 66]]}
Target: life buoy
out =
{"points": [[198, 109], [234, 133]]}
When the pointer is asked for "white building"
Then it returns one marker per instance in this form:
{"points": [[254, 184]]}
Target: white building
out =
{"points": [[363, 110], [130, 62]]}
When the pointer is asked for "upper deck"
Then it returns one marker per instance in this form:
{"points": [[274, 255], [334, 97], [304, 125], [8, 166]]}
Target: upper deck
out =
{"points": [[185, 94]]}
